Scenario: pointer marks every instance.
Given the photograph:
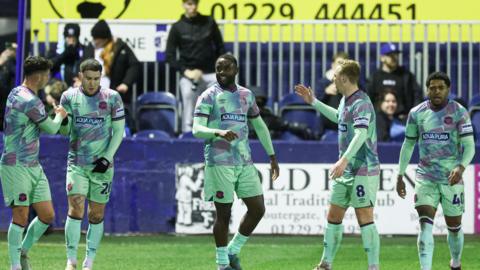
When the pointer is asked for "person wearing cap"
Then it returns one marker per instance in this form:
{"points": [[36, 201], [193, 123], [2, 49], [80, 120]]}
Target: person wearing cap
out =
{"points": [[119, 64], [66, 61], [393, 76], [199, 43]]}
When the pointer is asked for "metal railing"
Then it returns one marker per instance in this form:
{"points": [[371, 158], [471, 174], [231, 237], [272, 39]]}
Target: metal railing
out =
{"points": [[276, 54]]}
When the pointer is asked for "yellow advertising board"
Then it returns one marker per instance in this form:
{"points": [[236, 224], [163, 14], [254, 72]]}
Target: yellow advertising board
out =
{"points": [[296, 10]]}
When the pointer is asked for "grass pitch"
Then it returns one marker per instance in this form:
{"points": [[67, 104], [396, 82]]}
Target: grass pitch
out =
{"points": [[165, 252]]}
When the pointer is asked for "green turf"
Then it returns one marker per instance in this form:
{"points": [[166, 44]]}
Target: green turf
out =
{"points": [[164, 252]]}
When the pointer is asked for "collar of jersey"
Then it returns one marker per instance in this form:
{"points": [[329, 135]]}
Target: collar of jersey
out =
{"points": [[30, 90], [92, 95], [353, 94], [227, 90], [430, 106]]}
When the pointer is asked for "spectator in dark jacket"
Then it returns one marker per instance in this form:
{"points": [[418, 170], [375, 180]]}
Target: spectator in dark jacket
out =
{"points": [[120, 65], [200, 43], [67, 60], [389, 127], [327, 92], [396, 77], [7, 76]]}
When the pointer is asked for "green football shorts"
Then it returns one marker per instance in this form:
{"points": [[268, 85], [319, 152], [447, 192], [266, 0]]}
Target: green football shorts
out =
{"points": [[23, 186], [96, 187], [450, 197], [358, 191], [221, 182]]}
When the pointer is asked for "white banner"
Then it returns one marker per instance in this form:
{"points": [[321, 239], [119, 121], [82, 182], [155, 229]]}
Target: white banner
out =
{"points": [[148, 41], [297, 203]]}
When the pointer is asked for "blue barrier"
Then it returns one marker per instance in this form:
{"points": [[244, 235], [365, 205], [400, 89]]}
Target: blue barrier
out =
{"points": [[143, 194]]}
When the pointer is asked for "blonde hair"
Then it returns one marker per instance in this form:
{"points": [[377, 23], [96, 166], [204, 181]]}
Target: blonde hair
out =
{"points": [[351, 69]]}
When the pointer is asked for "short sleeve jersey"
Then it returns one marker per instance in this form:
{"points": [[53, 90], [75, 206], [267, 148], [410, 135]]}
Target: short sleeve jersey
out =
{"points": [[356, 111], [90, 120], [23, 113], [227, 110], [438, 134]]}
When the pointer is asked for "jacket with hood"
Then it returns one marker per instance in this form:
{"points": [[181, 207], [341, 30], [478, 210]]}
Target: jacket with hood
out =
{"points": [[199, 41]]}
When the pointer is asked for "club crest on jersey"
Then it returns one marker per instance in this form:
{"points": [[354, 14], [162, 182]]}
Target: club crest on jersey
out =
{"points": [[102, 105], [220, 194], [448, 120], [233, 117], [438, 137], [88, 121]]}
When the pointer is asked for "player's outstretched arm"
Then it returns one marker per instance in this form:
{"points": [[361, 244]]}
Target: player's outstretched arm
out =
{"points": [[263, 135], [52, 126], [200, 130], [309, 97]]}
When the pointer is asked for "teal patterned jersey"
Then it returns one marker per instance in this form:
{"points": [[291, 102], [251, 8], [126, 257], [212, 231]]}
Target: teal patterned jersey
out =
{"points": [[90, 120], [357, 111], [23, 112], [438, 134], [227, 110]]}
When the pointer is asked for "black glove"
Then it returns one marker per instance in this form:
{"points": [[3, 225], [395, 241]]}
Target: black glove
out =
{"points": [[65, 121], [101, 165]]}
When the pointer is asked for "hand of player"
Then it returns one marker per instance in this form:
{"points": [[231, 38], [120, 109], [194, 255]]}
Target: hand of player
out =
{"points": [[401, 187], [76, 82], [122, 88], [101, 165], [305, 93], [338, 168], [227, 135], [59, 110], [189, 74], [274, 167], [456, 175], [197, 75], [331, 90]]}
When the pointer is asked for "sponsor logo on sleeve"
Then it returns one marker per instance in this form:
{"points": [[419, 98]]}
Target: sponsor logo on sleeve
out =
{"points": [[342, 127], [119, 112], [361, 121], [466, 128], [233, 117]]}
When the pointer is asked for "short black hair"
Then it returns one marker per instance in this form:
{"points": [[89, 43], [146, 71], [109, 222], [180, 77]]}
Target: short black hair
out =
{"points": [[438, 75], [195, 1], [90, 64], [230, 58], [34, 64]]}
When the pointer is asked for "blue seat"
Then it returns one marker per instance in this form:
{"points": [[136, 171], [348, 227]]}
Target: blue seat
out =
{"points": [[157, 111], [330, 135], [152, 134], [474, 102], [288, 136], [293, 109]]}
